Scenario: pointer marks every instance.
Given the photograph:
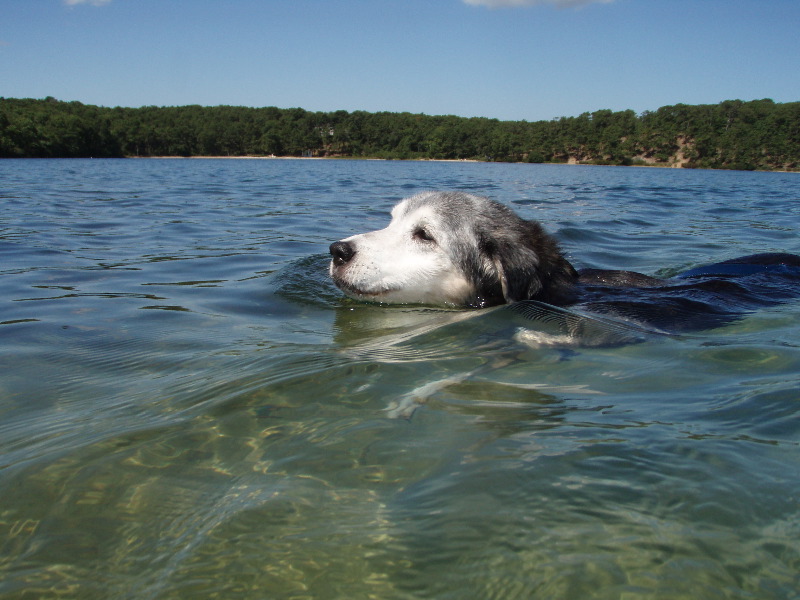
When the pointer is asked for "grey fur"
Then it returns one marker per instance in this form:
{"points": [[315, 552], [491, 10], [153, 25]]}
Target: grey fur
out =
{"points": [[502, 257]]}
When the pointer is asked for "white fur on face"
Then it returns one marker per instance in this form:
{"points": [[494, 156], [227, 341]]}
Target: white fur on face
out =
{"points": [[406, 262]]}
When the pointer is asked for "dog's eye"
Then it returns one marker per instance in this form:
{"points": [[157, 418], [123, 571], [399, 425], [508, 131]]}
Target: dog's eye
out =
{"points": [[421, 234]]}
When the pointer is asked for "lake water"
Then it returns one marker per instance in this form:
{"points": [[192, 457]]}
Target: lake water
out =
{"points": [[190, 409]]}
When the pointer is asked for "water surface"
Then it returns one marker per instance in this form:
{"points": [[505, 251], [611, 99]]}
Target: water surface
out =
{"points": [[189, 408]]}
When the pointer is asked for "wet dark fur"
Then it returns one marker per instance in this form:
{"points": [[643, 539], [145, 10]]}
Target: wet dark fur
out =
{"points": [[535, 269]]}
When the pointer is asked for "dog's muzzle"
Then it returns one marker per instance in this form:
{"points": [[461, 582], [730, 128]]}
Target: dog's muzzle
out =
{"points": [[342, 252]]}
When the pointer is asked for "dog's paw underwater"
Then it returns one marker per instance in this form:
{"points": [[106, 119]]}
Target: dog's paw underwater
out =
{"points": [[460, 250]]}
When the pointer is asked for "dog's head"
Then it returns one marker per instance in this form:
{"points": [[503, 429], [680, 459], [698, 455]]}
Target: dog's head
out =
{"points": [[455, 249]]}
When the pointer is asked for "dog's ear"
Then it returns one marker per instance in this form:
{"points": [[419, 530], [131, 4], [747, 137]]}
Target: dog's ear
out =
{"points": [[527, 263], [516, 270]]}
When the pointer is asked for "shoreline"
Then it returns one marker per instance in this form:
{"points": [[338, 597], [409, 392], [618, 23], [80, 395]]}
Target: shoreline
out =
{"points": [[447, 160], [363, 158], [256, 157]]}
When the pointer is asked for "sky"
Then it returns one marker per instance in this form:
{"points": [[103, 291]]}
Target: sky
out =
{"points": [[527, 60]]}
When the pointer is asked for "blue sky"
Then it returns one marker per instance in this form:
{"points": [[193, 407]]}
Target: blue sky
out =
{"points": [[505, 59]]}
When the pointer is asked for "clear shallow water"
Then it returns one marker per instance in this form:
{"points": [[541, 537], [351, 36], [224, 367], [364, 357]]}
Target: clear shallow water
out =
{"points": [[189, 409]]}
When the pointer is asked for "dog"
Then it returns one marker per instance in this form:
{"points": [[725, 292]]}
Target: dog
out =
{"points": [[461, 250]]}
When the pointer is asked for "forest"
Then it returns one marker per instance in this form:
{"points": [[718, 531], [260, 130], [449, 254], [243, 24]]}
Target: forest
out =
{"points": [[733, 134]]}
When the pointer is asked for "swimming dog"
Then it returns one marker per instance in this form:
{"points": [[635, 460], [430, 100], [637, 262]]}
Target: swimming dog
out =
{"points": [[459, 249]]}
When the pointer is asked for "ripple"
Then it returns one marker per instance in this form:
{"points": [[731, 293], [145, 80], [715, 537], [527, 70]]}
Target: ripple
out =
{"points": [[190, 407]]}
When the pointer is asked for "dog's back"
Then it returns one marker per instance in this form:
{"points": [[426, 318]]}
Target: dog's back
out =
{"points": [[701, 298]]}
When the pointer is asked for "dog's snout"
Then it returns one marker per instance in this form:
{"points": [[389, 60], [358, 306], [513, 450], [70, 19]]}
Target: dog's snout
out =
{"points": [[342, 252]]}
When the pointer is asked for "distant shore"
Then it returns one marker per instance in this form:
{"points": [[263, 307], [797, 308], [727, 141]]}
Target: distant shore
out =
{"points": [[255, 157], [445, 160], [732, 135]]}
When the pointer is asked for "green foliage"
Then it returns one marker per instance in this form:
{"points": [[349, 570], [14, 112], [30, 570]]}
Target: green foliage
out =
{"points": [[730, 135], [49, 128]]}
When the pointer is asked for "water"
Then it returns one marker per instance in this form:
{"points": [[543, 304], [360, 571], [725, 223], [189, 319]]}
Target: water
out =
{"points": [[189, 408]]}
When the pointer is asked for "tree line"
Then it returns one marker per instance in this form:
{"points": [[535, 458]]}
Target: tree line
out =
{"points": [[733, 134]]}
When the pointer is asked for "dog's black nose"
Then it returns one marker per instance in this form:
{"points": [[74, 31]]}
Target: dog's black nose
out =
{"points": [[342, 252]]}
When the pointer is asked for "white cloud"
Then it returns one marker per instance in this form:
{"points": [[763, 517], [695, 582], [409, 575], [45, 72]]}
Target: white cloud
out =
{"points": [[90, 2], [514, 3]]}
